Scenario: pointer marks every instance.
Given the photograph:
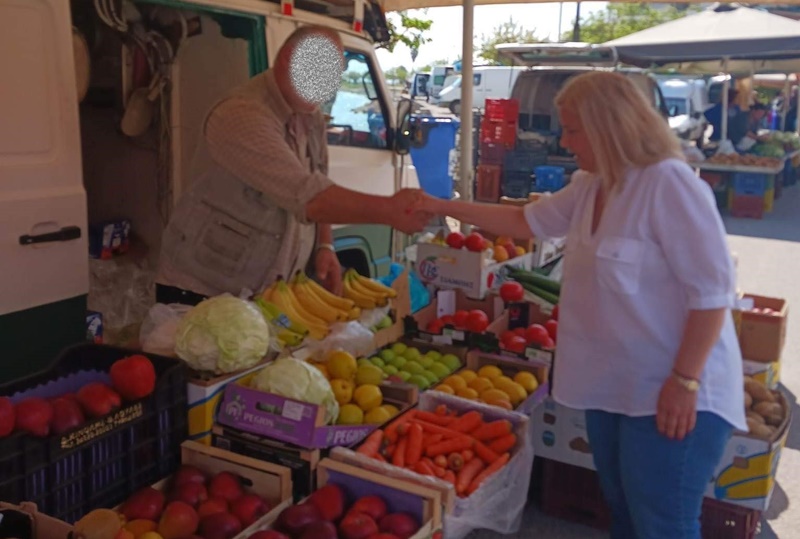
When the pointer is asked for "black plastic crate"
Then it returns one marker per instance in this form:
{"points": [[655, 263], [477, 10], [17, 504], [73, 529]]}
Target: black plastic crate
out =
{"points": [[524, 161], [105, 460], [516, 184]]}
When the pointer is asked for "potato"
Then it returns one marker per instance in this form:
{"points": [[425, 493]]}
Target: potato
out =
{"points": [[758, 391], [752, 424], [774, 420], [758, 430], [755, 417], [748, 400], [765, 409]]}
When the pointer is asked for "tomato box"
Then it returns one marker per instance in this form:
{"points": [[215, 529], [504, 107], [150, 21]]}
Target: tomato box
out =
{"points": [[448, 303], [517, 316], [297, 422], [272, 483], [542, 251], [763, 334], [421, 503], [445, 267], [25, 521]]}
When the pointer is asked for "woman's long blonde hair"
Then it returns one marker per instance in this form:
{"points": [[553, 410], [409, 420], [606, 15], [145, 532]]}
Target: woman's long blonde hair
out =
{"points": [[624, 128]]}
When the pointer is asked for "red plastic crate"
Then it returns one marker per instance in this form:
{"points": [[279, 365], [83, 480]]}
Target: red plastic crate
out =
{"points": [[713, 178], [492, 154], [747, 206], [722, 520], [489, 178], [501, 109], [499, 132]]}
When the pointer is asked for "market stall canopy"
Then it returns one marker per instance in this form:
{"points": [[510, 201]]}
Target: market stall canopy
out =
{"points": [[400, 5], [723, 31]]}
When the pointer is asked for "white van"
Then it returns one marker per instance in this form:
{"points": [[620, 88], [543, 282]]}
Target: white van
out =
{"points": [[72, 74], [686, 100], [490, 82], [439, 75]]}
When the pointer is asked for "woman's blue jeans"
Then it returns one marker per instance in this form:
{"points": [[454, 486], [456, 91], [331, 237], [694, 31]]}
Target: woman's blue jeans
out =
{"points": [[654, 485]]}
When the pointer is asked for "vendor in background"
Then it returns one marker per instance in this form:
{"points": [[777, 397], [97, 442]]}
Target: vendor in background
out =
{"points": [[714, 117], [752, 122], [646, 340], [261, 203]]}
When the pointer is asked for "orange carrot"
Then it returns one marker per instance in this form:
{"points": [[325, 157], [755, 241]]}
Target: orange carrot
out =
{"points": [[468, 455], [379, 457], [414, 445], [465, 477], [467, 422], [439, 471], [434, 418], [430, 439], [501, 445], [441, 409], [423, 468], [449, 446], [402, 428], [485, 454], [372, 444], [399, 457], [437, 429], [389, 451], [441, 461], [450, 477], [490, 431], [455, 461], [492, 468]]}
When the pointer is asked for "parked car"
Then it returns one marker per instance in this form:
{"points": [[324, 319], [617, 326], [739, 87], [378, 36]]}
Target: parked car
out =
{"points": [[686, 100]]}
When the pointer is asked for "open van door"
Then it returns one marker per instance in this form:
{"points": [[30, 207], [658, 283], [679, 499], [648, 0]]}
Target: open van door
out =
{"points": [[43, 247]]}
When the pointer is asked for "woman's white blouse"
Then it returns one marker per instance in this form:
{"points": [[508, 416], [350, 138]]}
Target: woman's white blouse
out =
{"points": [[660, 250]]}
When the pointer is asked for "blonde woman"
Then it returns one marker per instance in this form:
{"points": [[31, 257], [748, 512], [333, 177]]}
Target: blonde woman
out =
{"points": [[646, 341]]}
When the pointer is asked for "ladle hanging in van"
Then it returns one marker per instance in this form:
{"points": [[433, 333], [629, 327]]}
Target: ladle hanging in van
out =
{"points": [[139, 112]]}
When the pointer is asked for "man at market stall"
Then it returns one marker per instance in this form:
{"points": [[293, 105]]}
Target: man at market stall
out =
{"points": [[261, 203], [714, 117], [646, 340]]}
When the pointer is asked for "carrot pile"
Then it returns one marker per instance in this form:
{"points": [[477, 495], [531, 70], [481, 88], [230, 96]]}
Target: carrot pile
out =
{"points": [[461, 449]]}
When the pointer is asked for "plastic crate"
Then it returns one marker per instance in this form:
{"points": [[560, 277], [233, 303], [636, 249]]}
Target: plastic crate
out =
{"points": [[722, 199], [749, 183], [747, 206], [524, 161], [714, 179], [516, 184], [499, 132], [492, 154], [501, 109], [487, 185], [722, 520], [549, 179], [105, 460]]}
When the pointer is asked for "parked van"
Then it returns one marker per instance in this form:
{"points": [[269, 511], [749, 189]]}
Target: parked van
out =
{"points": [[79, 76], [686, 100], [439, 75], [490, 82]]}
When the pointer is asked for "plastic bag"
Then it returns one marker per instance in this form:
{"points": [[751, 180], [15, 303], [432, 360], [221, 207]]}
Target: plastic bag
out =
{"points": [[351, 337], [420, 296], [726, 148], [157, 334], [372, 317]]}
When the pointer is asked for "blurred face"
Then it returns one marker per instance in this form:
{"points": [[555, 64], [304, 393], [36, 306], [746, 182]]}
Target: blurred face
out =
{"points": [[575, 140], [310, 71]]}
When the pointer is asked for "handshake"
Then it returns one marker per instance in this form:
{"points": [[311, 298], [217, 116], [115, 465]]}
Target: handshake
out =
{"points": [[412, 209]]}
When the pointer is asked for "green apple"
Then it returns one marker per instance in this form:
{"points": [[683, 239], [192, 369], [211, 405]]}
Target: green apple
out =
{"points": [[452, 362], [413, 367], [387, 355], [369, 374], [426, 361], [399, 348], [390, 369], [363, 361], [404, 375], [419, 381], [384, 323], [440, 370], [378, 362], [411, 354], [434, 355], [398, 362], [430, 377]]}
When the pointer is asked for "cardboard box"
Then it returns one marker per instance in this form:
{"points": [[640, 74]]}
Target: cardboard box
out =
{"points": [[559, 434], [297, 422], [746, 472], [517, 315], [510, 367], [302, 462], [205, 397], [448, 302], [401, 307], [31, 523], [547, 251], [444, 267], [768, 374], [763, 335], [423, 503]]}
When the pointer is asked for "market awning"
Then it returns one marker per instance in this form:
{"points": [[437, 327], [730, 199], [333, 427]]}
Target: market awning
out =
{"points": [[400, 5]]}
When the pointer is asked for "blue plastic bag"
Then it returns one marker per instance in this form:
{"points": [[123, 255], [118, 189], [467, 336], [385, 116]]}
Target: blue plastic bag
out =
{"points": [[420, 297]]}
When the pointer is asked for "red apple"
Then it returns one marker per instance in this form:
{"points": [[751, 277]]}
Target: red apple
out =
{"points": [[552, 328], [554, 314], [402, 525], [477, 321], [225, 485], [188, 474], [475, 242], [211, 506], [219, 526], [33, 415], [98, 399], [383, 536], [460, 318], [248, 508], [374, 506], [506, 335], [191, 492], [268, 534], [357, 526], [448, 320], [455, 240], [320, 530], [146, 503], [549, 344], [512, 291], [296, 518], [520, 332], [67, 415], [330, 500]]}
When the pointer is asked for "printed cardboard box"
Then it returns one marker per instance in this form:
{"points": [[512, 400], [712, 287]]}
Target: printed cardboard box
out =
{"points": [[36, 525], [401, 307], [762, 335], [444, 267], [746, 473], [560, 434], [768, 374]]}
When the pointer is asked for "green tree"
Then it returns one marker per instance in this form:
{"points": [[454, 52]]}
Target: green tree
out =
{"points": [[407, 29], [507, 32], [619, 19], [353, 77], [399, 74]]}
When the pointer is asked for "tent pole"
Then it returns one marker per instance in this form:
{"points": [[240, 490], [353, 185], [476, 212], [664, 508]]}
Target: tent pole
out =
{"points": [[726, 86], [786, 98], [466, 104]]}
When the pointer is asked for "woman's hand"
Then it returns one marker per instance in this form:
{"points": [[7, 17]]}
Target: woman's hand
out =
{"points": [[677, 410]]}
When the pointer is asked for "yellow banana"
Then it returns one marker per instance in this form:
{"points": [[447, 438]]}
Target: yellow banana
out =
{"points": [[311, 317], [325, 295], [757, 466], [267, 294], [361, 300], [344, 314], [316, 306], [354, 313], [274, 315], [289, 337], [284, 302], [375, 286], [380, 299]]}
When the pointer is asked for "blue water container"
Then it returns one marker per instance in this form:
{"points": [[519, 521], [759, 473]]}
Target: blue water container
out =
{"points": [[549, 178], [434, 139]]}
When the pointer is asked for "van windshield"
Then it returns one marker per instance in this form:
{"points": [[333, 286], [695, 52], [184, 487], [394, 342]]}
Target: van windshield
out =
{"points": [[676, 105]]}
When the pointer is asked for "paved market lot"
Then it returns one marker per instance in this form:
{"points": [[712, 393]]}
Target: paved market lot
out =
{"points": [[769, 264]]}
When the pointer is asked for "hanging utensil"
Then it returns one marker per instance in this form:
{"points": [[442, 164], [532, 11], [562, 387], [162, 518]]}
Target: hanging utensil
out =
{"points": [[141, 108]]}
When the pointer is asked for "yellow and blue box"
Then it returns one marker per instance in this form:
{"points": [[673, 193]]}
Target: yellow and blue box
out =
{"points": [[204, 399], [768, 374]]}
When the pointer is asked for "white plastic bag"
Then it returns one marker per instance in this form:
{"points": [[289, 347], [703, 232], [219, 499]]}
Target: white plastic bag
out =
{"points": [[372, 317], [351, 337], [159, 328]]}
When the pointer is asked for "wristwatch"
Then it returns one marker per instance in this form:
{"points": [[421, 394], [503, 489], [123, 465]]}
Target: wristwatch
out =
{"points": [[328, 246], [690, 384]]}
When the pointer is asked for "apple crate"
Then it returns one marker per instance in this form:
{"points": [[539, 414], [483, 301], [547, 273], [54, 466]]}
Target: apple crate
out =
{"points": [[101, 462], [422, 504], [297, 422], [271, 482]]}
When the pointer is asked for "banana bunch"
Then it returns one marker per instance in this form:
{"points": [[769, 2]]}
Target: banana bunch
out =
{"points": [[290, 332], [366, 293], [322, 303], [281, 294]]}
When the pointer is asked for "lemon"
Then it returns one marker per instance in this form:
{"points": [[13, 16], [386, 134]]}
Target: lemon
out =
{"points": [[480, 384], [467, 374], [490, 371], [491, 396], [350, 414], [515, 391], [342, 365], [501, 380], [456, 382], [392, 409], [368, 397], [527, 380], [323, 369], [467, 393], [444, 388], [377, 416], [342, 390]]}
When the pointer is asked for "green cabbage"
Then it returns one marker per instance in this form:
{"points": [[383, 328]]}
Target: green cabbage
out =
{"points": [[222, 334], [296, 379]]}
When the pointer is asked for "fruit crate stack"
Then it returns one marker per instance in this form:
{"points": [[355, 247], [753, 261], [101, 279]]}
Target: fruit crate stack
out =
{"points": [[751, 194]]}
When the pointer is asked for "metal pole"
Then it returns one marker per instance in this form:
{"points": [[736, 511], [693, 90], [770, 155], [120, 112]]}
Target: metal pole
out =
{"points": [[560, 19], [576, 30], [466, 104], [786, 99], [726, 86]]}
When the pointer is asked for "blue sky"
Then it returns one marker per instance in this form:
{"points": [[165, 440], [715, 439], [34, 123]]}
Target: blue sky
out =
{"points": [[447, 25]]}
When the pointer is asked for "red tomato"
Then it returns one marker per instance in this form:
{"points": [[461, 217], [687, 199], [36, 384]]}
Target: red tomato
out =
{"points": [[435, 326], [448, 320], [455, 240], [536, 334], [460, 319], [517, 344], [554, 316], [552, 328], [475, 242], [512, 291], [477, 321], [549, 344], [506, 336], [133, 377], [520, 332]]}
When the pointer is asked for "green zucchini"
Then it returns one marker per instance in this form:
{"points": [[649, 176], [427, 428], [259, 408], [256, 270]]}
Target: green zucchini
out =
{"points": [[545, 295], [539, 281]]}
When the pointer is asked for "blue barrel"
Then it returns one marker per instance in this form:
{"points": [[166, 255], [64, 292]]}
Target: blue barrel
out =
{"points": [[434, 139]]}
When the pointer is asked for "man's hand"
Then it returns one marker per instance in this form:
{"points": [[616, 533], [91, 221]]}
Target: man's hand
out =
{"points": [[408, 213], [329, 271]]}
